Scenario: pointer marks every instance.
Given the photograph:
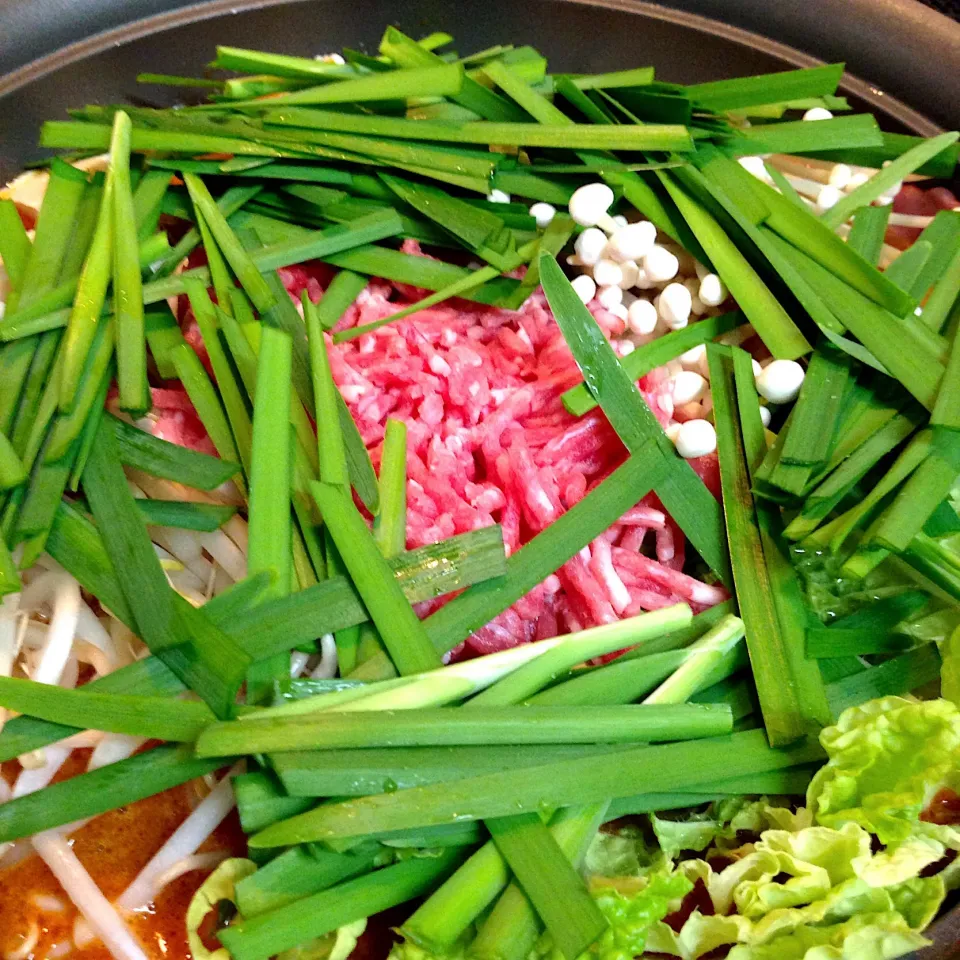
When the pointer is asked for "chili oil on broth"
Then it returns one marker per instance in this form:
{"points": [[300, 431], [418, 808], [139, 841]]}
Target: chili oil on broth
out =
{"points": [[113, 848]]}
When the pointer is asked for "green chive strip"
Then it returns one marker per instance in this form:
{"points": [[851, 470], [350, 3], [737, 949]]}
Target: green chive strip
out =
{"points": [[206, 659], [868, 230], [247, 272], [205, 399], [595, 642], [262, 801], [490, 726], [12, 472], [390, 525], [159, 718], [231, 393], [271, 627], [916, 500], [456, 289], [333, 458], [887, 177], [339, 295], [783, 713], [574, 136], [511, 929], [683, 493], [91, 294], [579, 400], [359, 773], [90, 794], [14, 243], [160, 458], [271, 463], [407, 53], [817, 408], [720, 96], [127, 286], [54, 228], [268, 934], [296, 874], [403, 634], [678, 767], [232, 200], [443, 80], [546, 875], [535, 561], [184, 515]]}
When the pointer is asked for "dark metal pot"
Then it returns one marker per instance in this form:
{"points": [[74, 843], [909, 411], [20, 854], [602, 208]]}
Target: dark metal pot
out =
{"points": [[903, 61]]}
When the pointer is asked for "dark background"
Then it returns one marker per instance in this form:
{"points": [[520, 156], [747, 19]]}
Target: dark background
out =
{"points": [[949, 7]]}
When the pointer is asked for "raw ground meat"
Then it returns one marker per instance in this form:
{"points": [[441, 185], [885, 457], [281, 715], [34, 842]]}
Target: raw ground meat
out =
{"points": [[490, 442], [914, 200]]}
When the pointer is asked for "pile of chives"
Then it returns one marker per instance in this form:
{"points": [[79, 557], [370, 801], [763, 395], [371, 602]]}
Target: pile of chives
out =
{"points": [[342, 162]]}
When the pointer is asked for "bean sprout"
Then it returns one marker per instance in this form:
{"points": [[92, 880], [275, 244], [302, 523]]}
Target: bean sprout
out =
{"points": [[87, 896], [298, 661], [184, 842], [63, 592], [113, 748], [9, 633], [327, 667], [226, 553], [29, 944], [48, 903]]}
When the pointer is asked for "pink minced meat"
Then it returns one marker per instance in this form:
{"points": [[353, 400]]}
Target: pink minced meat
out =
{"points": [[490, 442]]}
